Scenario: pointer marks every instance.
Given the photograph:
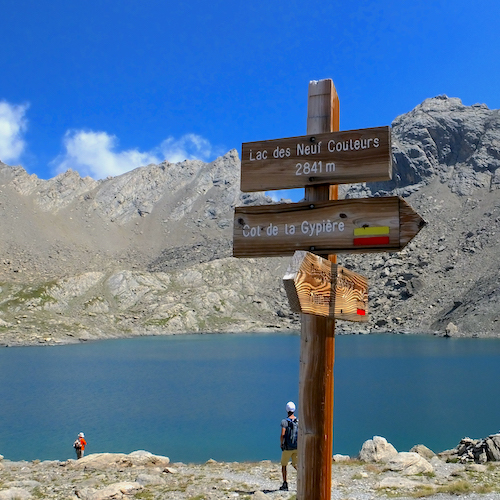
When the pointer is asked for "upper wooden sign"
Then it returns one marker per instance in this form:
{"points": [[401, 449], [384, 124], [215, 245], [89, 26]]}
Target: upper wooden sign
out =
{"points": [[357, 225], [317, 286], [349, 156]]}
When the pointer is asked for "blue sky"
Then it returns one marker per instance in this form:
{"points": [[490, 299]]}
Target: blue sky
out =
{"points": [[106, 86]]}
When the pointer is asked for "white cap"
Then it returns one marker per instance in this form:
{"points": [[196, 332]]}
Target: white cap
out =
{"points": [[290, 406], [81, 435]]}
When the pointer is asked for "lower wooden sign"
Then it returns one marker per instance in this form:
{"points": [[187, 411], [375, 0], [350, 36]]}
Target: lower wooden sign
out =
{"points": [[357, 225], [317, 286]]}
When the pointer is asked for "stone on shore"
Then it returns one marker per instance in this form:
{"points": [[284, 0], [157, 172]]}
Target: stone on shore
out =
{"points": [[492, 444], [15, 494], [409, 464], [475, 450], [377, 450], [402, 483], [99, 461], [423, 451], [111, 492], [259, 495]]}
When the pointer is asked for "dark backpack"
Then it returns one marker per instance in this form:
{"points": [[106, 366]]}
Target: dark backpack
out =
{"points": [[77, 444], [291, 434]]}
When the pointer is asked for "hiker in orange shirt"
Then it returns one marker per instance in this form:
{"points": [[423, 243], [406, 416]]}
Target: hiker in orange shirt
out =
{"points": [[79, 445]]}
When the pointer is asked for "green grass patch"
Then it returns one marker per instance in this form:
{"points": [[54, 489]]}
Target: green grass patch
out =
{"points": [[144, 495], [426, 474], [456, 488], [159, 321], [37, 493], [423, 491]]}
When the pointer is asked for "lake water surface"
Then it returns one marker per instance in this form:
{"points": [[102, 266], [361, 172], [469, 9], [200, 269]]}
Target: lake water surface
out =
{"points": [[195, 397]]}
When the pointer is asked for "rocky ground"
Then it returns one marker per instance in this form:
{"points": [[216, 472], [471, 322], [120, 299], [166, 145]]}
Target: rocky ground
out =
{"points": [[144, 476]]}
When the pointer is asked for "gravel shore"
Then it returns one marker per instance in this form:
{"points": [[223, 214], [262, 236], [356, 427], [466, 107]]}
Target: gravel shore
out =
{"points": [[142, 475]]}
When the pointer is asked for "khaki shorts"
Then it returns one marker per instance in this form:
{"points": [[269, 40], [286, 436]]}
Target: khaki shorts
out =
{"points": [[287, 455]]}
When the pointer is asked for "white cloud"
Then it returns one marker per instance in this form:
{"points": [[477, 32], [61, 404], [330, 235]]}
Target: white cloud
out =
{"points": [[13, 124], [95, 153], [188, 147]]}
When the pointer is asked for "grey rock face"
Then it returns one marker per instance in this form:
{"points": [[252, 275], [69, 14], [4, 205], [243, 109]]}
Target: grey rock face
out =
{"points": [[446, 159], [475, 450], [460, 145], [149, 252]]}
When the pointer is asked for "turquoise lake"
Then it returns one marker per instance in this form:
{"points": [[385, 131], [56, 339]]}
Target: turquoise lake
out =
{"points": [[195, 397]]}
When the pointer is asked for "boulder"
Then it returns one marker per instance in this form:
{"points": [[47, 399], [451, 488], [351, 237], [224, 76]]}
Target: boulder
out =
{"points": [[145, 458], [451, 330], [141, 458], [423, 451], [259, 495], [146, 479], [476, 468], [493, 447], [111, 492], [98, 461], [409, 464], [475, 450], [399, 483], [377, 450], [15, 494], [25, 483]]}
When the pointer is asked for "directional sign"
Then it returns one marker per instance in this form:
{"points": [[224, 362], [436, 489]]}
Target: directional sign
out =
{"points": [[334, 158], [328, 227], [317, 286]]}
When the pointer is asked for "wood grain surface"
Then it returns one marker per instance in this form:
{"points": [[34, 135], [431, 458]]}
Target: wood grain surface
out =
{"points": [[362, 155], [318, 286], [325, 227]]}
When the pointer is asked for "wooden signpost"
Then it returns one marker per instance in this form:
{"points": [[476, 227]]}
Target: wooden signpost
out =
{"points": [[334, 158], [316, 286], [317, 337]]}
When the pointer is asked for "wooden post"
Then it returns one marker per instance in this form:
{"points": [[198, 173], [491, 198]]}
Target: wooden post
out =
{"points": [[317, 346]]}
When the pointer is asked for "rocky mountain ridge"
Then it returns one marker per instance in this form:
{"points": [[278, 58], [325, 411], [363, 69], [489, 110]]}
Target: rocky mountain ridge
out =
{"points": [[149, 251]]}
